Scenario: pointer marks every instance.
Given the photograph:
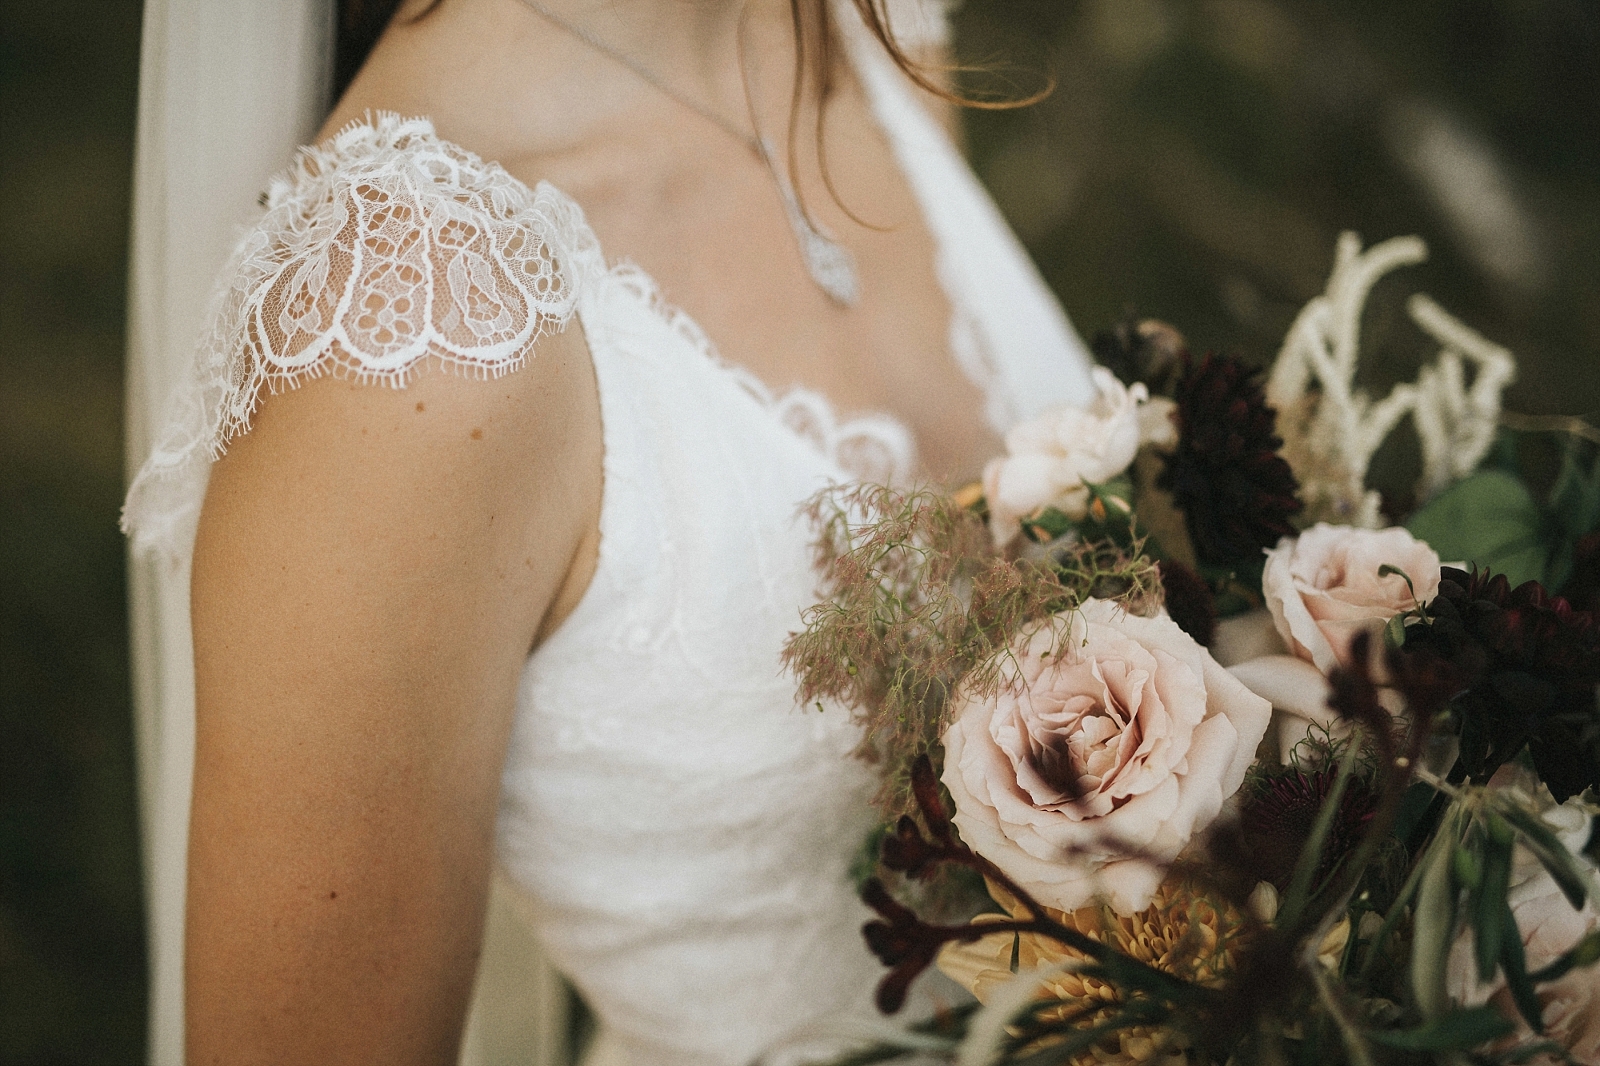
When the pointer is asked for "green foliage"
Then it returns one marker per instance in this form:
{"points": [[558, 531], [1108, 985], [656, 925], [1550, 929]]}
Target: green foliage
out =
{"points": [[1454, 1031], [1490, 519], [917, 605], [1573, 511], [1493, 520]]}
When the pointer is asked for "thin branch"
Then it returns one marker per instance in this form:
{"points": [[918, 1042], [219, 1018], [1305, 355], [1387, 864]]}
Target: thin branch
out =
{"points": [[1550, 424]]}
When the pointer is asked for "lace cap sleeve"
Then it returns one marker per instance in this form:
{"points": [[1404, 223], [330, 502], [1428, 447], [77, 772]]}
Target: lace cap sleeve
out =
{"points": [[382, 250]]}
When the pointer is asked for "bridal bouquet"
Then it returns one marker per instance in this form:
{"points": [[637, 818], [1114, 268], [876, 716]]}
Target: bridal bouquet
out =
{"points": [[1190, 756]]}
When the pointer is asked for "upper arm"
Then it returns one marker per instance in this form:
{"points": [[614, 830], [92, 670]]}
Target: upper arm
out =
{"points": [[371, 567]]}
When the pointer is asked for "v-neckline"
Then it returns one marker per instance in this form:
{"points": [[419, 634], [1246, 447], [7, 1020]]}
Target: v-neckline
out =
{"points": [[958, 329]]}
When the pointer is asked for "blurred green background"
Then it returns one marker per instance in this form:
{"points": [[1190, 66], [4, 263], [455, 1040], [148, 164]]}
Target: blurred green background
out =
{"points": [[1196, 162]]}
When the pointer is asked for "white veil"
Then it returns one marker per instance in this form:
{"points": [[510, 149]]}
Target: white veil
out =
{"points": [[227, 90]]}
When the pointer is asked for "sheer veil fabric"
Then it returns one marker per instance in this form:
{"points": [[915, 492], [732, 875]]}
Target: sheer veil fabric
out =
{"points": [[228, 89]]}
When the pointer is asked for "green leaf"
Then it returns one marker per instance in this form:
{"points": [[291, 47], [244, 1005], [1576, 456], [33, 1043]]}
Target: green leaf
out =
{"points": [[1434, 924], [1550, 851], [1467, 867], [1490, 519], [1575, 497], [1573, 508], [1492, 921], [1585, 952], [1515, 964], [1414, 806], [1047, 525], [1394, 632], [1456, 1031]]}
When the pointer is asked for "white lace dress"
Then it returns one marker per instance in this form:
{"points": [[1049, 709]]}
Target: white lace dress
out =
{"points": [[680, 829]]}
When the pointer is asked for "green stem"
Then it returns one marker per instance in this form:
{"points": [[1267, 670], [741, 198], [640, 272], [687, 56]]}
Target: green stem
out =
{"points": [[1305, 870], [1349, 1032], [1392, 919]]}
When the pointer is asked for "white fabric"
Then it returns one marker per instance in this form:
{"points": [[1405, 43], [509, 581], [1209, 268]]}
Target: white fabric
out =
{"points": [[227, 88], [387, 248], [680, 830]]}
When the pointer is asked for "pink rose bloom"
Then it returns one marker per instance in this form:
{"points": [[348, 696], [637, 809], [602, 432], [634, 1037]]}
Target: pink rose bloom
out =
{"points": [[1549, 926], [1117, 741], [1323, 587], [1050, 458]]}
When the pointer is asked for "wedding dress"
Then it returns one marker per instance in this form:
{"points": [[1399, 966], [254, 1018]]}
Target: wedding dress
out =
{"points": [[677, 830]]}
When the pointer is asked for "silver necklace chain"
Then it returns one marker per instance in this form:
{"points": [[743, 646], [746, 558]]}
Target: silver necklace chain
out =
{"points": [[831, 265]]}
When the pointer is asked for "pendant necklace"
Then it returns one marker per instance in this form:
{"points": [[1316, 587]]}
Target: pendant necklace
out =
{"points": [[831, 265]]}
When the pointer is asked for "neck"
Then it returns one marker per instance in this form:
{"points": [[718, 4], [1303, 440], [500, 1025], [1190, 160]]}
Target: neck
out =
{"points": [[512, 82], [697, 42]]}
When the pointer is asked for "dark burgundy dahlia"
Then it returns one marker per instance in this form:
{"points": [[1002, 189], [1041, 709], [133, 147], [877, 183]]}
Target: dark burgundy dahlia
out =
{"points": [[1582, 589], [1279, 812], [1190, 602], [1237, 493], [1530, 665]]}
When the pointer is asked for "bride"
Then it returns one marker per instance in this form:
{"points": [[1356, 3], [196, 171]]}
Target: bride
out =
{"points": [[650, 273]]}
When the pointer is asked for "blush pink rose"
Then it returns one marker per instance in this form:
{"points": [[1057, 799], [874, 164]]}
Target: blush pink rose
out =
{"points": [[1323, 587], [1117, 741], [1549, 926], [1052, 459]]}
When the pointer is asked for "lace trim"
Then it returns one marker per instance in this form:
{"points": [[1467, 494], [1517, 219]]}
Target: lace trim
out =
{"points": [[868, 447], [386, 248]]}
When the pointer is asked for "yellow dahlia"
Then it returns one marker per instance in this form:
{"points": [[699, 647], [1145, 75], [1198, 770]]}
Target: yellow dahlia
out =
{"points": [[1183, 932]]}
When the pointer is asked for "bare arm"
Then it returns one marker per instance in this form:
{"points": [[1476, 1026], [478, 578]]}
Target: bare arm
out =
{"points": [[371, 569]]}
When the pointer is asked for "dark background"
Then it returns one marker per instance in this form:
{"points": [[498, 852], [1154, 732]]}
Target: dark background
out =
{"points": [[1196, 161]]}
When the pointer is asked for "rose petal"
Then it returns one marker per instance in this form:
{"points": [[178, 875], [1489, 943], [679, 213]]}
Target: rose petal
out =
{"points": [[1246, 636], [1289, 613], [1157, 733], [1298, 694], [1328, 584]]}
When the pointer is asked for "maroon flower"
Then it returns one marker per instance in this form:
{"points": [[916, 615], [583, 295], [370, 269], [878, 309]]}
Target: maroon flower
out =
{"points": [[1189, 601], [1237, 493], [1530, 665], [1277, 816]]}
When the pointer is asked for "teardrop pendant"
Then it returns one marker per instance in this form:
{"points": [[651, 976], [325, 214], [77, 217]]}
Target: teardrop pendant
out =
{"points": [[831, 265]]}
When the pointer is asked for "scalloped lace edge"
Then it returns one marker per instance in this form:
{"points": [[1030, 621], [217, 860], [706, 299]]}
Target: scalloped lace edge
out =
{"points": [[231, 368]]}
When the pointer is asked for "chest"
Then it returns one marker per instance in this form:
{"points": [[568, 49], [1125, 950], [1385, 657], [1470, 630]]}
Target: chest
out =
{"points": [[705, 217]]}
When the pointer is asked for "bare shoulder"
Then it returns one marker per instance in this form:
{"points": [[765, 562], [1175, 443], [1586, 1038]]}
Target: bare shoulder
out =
{"points": [[492, 484], [486, 73]]}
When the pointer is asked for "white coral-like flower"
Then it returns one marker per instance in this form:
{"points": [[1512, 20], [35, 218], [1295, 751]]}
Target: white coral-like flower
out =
{"points": [[1331, 429]]}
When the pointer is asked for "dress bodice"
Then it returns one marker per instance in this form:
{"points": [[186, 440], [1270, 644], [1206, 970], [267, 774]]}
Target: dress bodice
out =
{"points": [[681, 831]]}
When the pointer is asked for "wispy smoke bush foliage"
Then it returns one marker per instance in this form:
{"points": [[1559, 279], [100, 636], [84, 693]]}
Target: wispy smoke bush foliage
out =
{"points": [[916, 603]]}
